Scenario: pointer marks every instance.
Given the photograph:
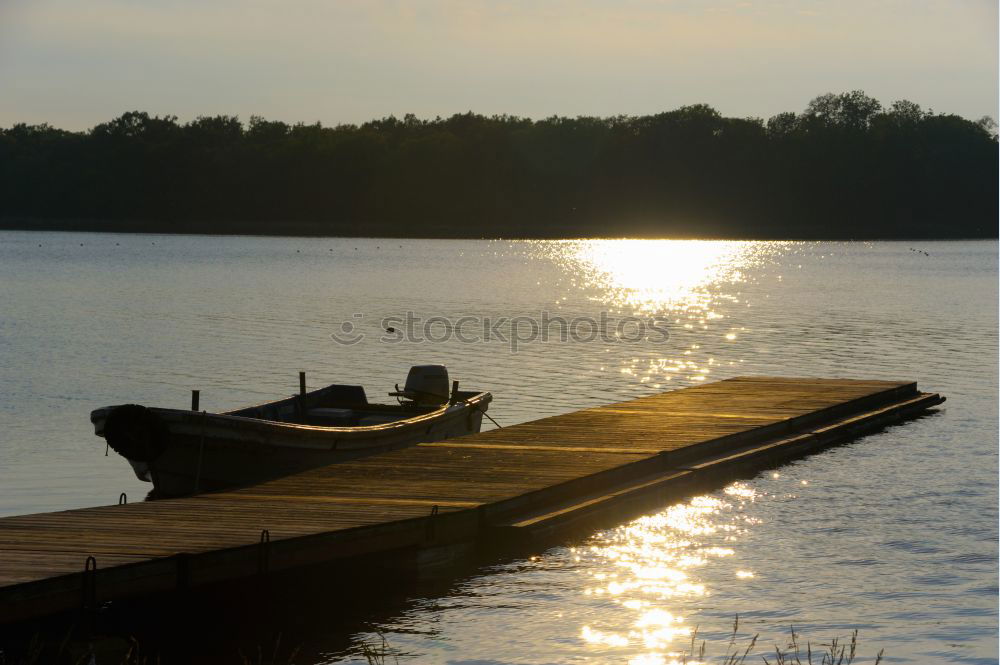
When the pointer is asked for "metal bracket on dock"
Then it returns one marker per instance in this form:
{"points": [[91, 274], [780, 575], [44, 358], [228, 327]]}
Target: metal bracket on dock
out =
{"points": [[264, 551], [89, 585], [122, 499], [430, 528]]}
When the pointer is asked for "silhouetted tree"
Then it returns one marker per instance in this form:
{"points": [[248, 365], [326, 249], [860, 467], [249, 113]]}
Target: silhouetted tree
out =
{"points": [[845, 167]]}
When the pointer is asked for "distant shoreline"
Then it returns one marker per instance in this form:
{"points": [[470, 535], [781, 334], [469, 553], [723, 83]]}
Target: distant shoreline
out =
{"points": [[346, 230], [847, 167]]}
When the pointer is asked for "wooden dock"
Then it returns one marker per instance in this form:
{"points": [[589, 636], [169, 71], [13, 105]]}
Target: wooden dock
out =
{"points": [[536, 478]]}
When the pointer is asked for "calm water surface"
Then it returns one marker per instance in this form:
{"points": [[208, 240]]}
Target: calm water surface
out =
{"points": [[895, 535]]}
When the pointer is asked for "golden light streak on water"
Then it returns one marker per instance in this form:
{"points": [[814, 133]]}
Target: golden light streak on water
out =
{"points": [[661, 275], [645, 570], [690, 285]]}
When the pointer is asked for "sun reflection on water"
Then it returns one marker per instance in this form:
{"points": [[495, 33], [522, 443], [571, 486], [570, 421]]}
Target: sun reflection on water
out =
{"points": [[649, 567], [660, 275], [692, 287], [645, 575]]}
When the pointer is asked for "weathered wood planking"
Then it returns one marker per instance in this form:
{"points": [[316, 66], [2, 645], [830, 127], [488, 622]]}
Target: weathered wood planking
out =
{"points": [[540, 472]]}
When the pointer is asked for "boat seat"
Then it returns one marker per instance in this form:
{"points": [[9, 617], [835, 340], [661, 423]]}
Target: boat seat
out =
{"points": [[340, 395]]}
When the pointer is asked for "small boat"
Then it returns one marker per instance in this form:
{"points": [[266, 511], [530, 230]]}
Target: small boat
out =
{"points": [[189, 451]]}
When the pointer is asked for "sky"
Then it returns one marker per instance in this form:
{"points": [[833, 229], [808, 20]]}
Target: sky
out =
{"points": [[75, 63]]}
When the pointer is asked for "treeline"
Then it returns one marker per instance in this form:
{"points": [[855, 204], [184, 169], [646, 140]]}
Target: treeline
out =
{"points": [[846, 167]]}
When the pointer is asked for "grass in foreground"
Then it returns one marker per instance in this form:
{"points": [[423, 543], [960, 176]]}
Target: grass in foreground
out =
{"points": [[377, 651], [834, 652]]}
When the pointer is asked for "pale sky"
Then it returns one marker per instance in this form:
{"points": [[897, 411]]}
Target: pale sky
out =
{"points": [[74, 63]]}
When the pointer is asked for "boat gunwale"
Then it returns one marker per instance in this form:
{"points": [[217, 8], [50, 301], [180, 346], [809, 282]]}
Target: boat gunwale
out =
{"points": [[183, 416]]}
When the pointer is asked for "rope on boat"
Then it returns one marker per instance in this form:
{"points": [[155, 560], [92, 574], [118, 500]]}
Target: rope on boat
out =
{"points": [[480, 410], [474, 406]]}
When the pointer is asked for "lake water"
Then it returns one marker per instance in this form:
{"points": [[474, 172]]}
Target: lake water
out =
{"points": [[895, 534]]}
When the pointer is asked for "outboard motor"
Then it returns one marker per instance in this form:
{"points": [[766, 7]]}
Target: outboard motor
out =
{"points": [[426, 385]]}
